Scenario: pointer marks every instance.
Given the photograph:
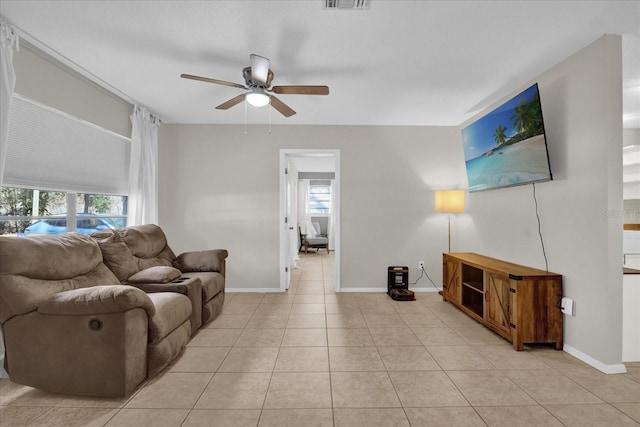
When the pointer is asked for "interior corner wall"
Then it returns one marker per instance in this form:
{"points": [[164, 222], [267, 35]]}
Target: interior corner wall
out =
{"points": [[630, 137], [219, 188], [47, 82], [580, 210]]}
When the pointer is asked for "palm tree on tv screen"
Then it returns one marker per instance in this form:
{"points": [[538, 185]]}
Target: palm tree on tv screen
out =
{"points": [[527, 118], [500, 136]]}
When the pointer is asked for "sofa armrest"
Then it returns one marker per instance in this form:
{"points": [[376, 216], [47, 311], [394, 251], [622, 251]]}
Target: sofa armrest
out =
{"points": [[97, 300], [152, 288], [156, 274], [211, 260]]}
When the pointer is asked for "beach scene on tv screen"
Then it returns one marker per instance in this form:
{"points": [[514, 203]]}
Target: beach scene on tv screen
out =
{"points": [[507, 146]]}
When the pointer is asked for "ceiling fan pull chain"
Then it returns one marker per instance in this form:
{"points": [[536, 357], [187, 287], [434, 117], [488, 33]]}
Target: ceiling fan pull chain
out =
{"points": [[269, 120], [245, 118]]}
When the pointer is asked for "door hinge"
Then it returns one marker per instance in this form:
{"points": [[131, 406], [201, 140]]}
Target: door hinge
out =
{"points": [[286, 171], [286, 220], [286, 269]]}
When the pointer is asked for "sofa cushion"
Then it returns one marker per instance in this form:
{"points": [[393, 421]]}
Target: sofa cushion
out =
{"points": [[33, 268], [172, 310], [20, 295], [148, 244], [158, 274], [45, 257], [212, 283], [116, 254], [318, 241], [211, 260], [97, 300]]}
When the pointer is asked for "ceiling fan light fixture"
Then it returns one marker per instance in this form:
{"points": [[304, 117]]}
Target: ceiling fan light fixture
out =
{"points": [[257, 99], [257, 88]]}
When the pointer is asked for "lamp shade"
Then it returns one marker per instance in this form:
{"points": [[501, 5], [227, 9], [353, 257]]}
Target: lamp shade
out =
{"points": [[257, 99], [449, 201]]}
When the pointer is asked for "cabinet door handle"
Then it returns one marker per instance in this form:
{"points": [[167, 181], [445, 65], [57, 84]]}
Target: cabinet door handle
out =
{"points": [[486, 295]]}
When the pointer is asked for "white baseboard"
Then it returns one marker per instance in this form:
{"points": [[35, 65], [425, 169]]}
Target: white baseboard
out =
{"points": [[384, 290], [607, 369], [257, 290]]}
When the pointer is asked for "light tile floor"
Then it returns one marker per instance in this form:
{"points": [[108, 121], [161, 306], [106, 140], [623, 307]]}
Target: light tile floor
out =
{"points": [[311, 357]]}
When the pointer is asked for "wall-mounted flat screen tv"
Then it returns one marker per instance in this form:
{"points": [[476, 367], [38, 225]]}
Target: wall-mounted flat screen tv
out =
{"points": [[507, 146]]}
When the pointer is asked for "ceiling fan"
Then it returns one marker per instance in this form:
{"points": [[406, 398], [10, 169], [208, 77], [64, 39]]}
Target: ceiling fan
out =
{"points": [[258, 93]]}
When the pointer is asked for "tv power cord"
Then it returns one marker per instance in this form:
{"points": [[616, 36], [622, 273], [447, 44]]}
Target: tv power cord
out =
{"points": [[423, 272]]}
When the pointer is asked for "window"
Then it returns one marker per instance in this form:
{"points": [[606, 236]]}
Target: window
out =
{"points": [[99, 210], [27, 211], [320, 197], [61, 173]]}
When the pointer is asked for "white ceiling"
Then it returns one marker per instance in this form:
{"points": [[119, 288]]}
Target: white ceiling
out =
{"points": [[394, 63]]}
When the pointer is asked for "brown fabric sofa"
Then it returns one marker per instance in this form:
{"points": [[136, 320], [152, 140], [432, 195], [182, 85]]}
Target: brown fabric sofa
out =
{"points": [[140, 256], [70, 326]]}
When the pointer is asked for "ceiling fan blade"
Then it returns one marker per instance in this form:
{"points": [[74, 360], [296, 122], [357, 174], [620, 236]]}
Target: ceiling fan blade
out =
{"points": [[208, 80], [259, 68], [282, 108], [301, 90], [230, 103]]}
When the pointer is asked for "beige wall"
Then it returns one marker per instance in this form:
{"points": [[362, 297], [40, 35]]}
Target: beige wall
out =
{"points": [[632, 211], [219, 188], [630, 137], [580, 209], [631, 189]]}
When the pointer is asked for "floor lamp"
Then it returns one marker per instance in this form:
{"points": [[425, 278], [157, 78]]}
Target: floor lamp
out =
{"points": [[449, 201]]}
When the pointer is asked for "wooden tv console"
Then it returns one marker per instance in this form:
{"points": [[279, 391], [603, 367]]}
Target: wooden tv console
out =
{"points": [[521, 304]]}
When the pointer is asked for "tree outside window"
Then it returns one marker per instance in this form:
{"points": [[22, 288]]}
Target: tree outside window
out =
{"points": [[31, 211]]}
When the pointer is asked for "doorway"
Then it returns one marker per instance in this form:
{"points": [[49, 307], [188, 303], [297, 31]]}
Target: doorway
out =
{"points": [[306, 160]]}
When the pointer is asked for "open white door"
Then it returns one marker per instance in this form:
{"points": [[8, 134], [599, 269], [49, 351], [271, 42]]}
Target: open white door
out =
{"points": [[291, 219], [289, 211], [288, 220]]}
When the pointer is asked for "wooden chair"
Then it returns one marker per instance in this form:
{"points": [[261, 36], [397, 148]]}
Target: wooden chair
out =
{"points": [[318, 242]]}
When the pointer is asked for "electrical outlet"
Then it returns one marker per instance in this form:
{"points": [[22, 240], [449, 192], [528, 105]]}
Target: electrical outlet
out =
{"points": [[420, 265], [566, 306]]}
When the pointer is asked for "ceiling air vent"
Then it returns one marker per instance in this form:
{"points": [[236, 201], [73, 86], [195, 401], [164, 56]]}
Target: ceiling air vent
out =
{"points": [[346, 4]]}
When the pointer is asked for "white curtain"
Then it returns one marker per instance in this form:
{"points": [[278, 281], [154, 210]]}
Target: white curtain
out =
{"points": [[143, 168], [332, 217], [7, 85], [304, 217]]}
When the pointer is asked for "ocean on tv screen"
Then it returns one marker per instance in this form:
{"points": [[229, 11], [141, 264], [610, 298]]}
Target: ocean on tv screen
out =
{"points": [[507, 146], [521, 163]]}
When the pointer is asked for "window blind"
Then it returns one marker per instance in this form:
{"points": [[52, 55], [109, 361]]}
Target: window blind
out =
{"points": [[52, 150]]}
